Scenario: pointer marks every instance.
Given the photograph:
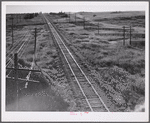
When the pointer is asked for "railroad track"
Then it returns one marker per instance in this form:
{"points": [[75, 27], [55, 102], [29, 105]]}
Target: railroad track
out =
{"points": [[19, 47], [93, 101], [26, 76], [16, 44]]}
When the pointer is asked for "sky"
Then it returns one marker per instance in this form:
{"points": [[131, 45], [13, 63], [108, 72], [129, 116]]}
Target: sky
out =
{"points": [[29, 7]]}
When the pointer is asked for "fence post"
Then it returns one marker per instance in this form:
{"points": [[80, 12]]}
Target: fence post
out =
{"points": [[16, 77], [130, 35], [123, 35]]}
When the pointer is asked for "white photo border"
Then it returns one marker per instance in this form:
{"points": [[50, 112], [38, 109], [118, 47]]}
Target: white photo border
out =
{"points": [[65, 116]]}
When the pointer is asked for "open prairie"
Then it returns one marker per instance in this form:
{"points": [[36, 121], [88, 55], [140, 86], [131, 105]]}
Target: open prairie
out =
{"points": [[108, 48]]}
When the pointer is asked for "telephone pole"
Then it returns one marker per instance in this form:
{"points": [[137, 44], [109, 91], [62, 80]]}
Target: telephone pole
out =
{"points": [[84, 22], [12, 31], [20, 18], [123, 35], [69, 17], [17, 18], [130, 35], [75, 18], [98, 28], [16, 78], [35, 42]]}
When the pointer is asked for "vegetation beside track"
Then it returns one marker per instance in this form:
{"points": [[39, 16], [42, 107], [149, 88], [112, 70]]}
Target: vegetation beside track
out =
{"points": [[48, 94], [119, 69]]}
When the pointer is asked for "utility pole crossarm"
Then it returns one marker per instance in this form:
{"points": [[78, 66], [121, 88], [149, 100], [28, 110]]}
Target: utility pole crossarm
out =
{"points": [[24, 69], [23, 80]]}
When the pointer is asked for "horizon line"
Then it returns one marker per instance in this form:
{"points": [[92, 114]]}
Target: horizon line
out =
{"points": [[76, 12]]}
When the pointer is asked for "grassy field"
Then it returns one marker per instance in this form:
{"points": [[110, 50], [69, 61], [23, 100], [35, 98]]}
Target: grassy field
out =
{"points": [[119, 69]]}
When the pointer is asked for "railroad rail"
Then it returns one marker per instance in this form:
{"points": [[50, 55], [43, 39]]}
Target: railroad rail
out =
{"points": [[21, 79], [19, 40], [93, 101], [19, 47]]}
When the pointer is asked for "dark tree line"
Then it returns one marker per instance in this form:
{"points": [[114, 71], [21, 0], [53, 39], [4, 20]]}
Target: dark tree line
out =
{"points": [[30, 15], [62, 14]]}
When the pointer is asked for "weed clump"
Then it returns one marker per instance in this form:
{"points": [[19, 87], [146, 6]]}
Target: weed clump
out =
{"points": [[121, 82]]}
